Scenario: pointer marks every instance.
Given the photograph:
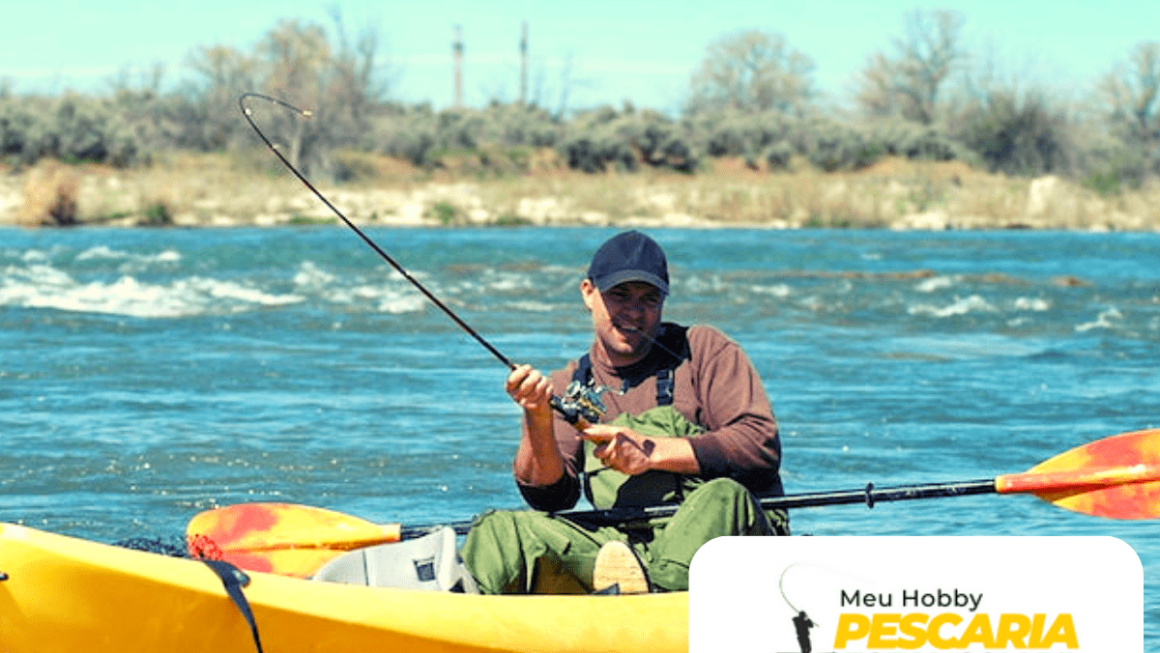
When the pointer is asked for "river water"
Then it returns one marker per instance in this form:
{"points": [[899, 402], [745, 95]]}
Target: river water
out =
{"points": [[147, 375]]}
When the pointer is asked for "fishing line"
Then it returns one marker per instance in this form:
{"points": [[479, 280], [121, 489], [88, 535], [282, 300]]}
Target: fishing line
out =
{"points": [[579, 405], [365, 238], [651, 339]]}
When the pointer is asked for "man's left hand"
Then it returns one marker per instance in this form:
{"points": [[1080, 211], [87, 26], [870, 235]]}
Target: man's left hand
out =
{"points": [[620, 448]]}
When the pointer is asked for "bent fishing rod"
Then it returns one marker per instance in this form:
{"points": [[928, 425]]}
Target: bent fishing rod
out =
{"points": [[580, 405], [359, 232]]}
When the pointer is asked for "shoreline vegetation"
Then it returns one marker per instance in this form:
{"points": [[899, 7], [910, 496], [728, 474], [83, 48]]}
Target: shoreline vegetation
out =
{"points": [[186, 189], [928, 136]]}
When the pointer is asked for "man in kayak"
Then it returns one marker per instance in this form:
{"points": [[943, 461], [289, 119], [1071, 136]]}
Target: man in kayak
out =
{"points": [[686, 422]]}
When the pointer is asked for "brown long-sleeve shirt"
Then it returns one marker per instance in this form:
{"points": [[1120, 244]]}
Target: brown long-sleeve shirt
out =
{"points": [[715, 387]]}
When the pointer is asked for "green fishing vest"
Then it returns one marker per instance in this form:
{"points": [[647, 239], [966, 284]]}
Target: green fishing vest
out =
{"points": [[608, 488]]}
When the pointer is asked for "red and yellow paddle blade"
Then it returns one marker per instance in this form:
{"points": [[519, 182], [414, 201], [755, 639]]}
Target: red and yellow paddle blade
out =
{"points": [[1117, 477], [281, 538]]}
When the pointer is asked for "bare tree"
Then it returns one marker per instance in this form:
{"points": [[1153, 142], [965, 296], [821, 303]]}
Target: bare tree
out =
{"points": [[752, 71], [296, 60], [543, 92], [1132, 94], [357, 78], [222, 73], [339, 80], [907, 81]]}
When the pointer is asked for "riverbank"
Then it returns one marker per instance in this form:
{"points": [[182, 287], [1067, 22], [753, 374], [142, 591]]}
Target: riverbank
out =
{"points": [[222, 191]]}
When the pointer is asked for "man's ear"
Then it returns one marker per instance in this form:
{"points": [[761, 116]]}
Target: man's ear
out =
{"points": [[588, 292]]}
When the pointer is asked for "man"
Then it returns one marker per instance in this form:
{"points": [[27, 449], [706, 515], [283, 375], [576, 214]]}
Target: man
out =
{"points": [[687, 422]]}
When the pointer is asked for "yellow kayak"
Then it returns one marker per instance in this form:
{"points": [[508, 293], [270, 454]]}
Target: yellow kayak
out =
{"points": [[65, 594]]}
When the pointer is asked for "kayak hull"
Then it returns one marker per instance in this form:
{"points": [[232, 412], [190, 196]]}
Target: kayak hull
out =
{"points": [[68, 594]]}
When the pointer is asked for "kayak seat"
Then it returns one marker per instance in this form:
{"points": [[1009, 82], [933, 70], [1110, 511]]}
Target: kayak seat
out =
{"points": [[429, 562]]}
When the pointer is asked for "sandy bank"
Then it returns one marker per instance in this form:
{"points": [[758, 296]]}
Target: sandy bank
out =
{"points": [[210, 191]]}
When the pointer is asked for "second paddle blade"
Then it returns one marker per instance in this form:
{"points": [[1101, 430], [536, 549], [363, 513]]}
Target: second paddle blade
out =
{"points": [[281, 538], [1116, 477]]}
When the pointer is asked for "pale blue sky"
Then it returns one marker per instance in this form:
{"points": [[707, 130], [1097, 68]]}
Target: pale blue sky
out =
{"points": [[642, 50]]}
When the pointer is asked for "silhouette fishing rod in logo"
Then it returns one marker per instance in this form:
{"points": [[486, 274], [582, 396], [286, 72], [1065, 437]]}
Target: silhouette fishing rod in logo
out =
{"points": [[801, 621]]}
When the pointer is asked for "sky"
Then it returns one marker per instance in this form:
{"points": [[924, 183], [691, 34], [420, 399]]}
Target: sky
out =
{"points": [[580, 54]]}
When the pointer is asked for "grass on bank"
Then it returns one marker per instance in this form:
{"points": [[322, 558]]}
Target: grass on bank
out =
{"points": [[189, 189]]}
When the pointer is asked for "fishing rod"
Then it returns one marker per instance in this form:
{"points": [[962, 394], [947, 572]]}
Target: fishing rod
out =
{"points": [[365, 238], [579, 405]]}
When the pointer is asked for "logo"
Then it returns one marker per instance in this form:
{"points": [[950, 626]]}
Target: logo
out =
{"points": [[1026, 594]]}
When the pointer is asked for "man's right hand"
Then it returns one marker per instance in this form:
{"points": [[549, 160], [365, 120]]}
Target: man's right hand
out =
{"points": [[529, 388], [538, 460]]}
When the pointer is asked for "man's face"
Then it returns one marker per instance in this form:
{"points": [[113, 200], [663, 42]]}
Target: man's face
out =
{"points": [[625, 318]]}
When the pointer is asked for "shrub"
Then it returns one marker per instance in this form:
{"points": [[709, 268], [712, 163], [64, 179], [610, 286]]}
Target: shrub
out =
{"points": [[445, 212], [157, 214], [1018, 137], [423, 136], [832, 146], [734, 133], [916, 141], [51, 194], [597, 152], [73, 128], [1113, 165], [778, 155], [604, 139]]}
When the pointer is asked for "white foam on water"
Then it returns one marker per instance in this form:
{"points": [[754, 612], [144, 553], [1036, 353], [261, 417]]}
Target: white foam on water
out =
{"points": [[103, 252], [533, 307], [34, 255], [310, 276], [961, 306], [935, 283], [1107, 319], [1032, 304], [400, 305], [776, 290], [508, 282], [43, 286]]}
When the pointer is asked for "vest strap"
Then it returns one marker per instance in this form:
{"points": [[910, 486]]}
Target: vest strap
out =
{"points": [[677, 344]]}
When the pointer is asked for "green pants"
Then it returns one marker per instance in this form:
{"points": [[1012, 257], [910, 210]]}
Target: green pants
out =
{"points": [[521, 552]]}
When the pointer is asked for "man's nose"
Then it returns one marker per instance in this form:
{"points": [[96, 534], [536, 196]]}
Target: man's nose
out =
{"points": [[634, 307]]}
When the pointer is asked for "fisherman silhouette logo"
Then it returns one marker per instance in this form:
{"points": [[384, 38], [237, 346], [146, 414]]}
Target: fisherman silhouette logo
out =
{"points": [[802, 625], [934, 593]]}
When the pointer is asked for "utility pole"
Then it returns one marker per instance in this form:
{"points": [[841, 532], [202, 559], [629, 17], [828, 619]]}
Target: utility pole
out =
{"points": [[524, 65], [457, 54]]}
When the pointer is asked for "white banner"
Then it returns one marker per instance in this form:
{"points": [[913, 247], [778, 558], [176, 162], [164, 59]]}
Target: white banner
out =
{"points": [[861, 594]]}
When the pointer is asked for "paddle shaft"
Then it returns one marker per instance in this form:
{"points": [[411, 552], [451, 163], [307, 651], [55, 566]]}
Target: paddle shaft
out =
{"points": [[868, 495], [1117, 477]]}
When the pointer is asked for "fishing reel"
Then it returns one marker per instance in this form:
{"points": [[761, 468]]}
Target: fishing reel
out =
{"points": [[580, 405]]}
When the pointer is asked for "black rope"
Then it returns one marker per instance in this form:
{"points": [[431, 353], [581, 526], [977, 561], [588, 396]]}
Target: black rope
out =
{"points": [[234, 580]]}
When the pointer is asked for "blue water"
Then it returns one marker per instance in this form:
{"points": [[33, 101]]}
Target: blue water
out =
{"points": [[148, 375]]}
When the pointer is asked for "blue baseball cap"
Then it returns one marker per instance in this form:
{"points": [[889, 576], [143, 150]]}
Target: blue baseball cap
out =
{"points": [[629, 256]]}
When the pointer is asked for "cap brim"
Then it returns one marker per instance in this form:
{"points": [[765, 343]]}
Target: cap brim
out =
{"points": [[609, 281]]}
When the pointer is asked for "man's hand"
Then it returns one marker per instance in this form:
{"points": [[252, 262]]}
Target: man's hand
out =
{"points": [[529, 388], [538, 460], [621, 448], [632, 453]]}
